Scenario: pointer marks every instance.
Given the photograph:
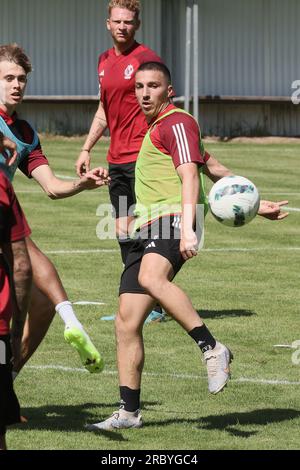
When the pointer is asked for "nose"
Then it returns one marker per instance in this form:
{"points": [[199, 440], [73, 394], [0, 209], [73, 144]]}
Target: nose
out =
{"points": [[146, 94], [16, 83]]}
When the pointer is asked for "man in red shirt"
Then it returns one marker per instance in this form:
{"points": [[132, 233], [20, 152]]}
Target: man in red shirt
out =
{"points": [[168, 175], [48, 294], [119, 112], [13, 230]]}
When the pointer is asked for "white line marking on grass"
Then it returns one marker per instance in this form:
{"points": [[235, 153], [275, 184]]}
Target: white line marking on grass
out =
{"points": [[280, 194], [172, 376], [291, 209], [265, 382], [85, 302], [66, 177], [80, 252], [29, 191], [205, 250]]}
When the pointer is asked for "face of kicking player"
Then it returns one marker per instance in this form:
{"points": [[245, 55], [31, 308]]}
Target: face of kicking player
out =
{"points": [[153, 92]]}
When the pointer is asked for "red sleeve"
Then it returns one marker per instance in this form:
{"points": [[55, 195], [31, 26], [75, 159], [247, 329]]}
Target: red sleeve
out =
{"points": [[35, 159], [179, 135], [16, 226]]}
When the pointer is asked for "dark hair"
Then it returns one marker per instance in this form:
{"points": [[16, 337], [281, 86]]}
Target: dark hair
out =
{"points": [[157, 66], [14, 53]]}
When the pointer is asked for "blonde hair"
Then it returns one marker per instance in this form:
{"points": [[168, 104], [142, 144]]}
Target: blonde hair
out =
{"points": [[14, 53], [131, 5]]}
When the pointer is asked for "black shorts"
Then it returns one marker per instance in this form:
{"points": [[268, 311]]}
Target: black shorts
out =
{"points": [[121, 189], [9, 405], [151, 240]]}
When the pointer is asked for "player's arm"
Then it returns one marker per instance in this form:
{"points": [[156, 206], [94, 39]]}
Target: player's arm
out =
{"points": [[6, 145], [56, 188], [99, 125], [268, 209], [189, 175], [215, 170]]}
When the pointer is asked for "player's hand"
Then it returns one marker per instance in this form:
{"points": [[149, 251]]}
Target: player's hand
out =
{"points": [[6, 145], [272, 210], [96, 177], [188, 245], [83, 163]]}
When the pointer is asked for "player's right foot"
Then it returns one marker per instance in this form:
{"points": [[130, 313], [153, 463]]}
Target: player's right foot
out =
{"points": [[155, 317], [90, 357], [218, 371], [120, 419]]}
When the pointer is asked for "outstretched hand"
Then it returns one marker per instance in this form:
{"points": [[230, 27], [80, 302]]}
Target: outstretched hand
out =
{"points": [[272, 210], [96, 177]]}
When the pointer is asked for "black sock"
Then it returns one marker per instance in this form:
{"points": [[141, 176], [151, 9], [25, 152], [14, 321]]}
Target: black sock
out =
{"points": [[125, 246], [130, 399], [203, 338]]}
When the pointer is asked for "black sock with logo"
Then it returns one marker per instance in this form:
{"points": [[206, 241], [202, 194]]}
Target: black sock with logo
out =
{"points": [[202, 336], [130, 399]]}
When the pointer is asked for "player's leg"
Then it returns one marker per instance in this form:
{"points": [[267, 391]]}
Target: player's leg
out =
{"points": [[134, 306], [9, 404], [133, 310], [49, 296], [122, 197], [38, 321], [155, 276]]}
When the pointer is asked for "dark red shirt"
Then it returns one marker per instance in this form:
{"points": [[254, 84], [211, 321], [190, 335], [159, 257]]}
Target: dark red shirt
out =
{"points": [[126, 121], [24, 132], [13, 227]]}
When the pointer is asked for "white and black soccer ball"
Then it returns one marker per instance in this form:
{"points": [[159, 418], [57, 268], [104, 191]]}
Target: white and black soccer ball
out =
{"points": [[234, 201]]}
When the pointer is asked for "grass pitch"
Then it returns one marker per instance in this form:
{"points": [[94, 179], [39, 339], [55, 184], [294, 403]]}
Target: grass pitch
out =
{"points": [[246, 286]]}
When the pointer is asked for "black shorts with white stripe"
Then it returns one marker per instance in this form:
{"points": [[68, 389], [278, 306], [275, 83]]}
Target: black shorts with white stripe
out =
{"points": [[162, 237]]}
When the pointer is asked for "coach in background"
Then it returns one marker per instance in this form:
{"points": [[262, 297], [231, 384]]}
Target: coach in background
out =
{"points": [[119, 112]]}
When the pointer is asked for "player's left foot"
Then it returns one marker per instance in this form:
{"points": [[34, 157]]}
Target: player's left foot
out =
{"points": [[90, 357], [120, 419], [218, 370]]}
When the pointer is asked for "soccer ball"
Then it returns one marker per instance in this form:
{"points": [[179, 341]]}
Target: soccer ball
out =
{"points": [[234, 201]]}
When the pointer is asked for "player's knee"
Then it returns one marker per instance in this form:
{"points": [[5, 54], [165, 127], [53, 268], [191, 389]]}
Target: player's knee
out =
{"points": [[126, 325], [150, 283], [145, 280]]}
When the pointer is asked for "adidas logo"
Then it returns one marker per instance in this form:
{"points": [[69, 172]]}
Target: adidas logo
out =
{"points": [[151, 245]]}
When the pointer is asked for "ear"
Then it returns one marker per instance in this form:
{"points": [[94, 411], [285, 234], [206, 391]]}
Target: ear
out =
{"points": [[170, 91], [108, 24]]}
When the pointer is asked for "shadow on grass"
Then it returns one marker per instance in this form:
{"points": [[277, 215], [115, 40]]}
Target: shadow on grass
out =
{"points": [[225, 313], [71, 418], [232, 422]]}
